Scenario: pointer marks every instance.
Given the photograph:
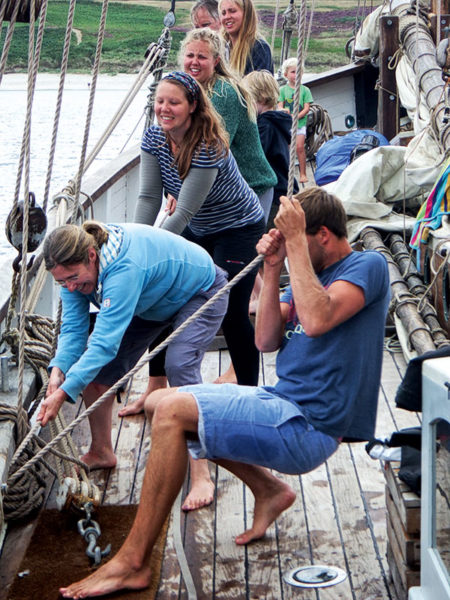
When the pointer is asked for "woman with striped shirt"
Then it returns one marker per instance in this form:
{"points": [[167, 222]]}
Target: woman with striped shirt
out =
{"points": [[187, 155]]}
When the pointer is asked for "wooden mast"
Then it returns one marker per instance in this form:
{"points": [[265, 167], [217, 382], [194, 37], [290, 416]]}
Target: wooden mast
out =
{"points": [[388, 122]]}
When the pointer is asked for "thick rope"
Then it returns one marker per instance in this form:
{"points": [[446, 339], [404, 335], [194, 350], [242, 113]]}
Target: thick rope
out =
{"points": [[151, 60], [311, 17], [23, 269], [322, 129], [298, 80], [62, 78], [95, 71], [145, 359], [8, 39]]}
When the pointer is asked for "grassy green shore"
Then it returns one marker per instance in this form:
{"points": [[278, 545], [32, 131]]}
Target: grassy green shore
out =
{"points": [[131, 26]]}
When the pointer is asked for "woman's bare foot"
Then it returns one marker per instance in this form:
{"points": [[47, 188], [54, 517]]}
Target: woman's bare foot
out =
{"points": [[268, 506], [94, 460], [228, 377], [134, 408], [303, 179], [113, 576]]}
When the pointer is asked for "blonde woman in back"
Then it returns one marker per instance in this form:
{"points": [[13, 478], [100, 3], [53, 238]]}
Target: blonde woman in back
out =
{"points": [[246, 48]]}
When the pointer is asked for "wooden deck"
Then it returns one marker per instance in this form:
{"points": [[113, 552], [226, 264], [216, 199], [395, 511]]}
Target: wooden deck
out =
{"points": [[337, 519]]}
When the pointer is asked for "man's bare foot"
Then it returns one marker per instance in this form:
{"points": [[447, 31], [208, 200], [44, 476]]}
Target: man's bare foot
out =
{"points": [[158, 382], [201, 494], [268, 506], [95, 461], [134, 408], [113, 576], [228, 377], [303, 179]]}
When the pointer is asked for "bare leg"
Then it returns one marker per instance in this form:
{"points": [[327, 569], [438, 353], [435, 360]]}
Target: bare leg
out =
{"points": [[202, 488], [158, 382], [301, 155], [164, 476], [272, 497], [101, 454]]}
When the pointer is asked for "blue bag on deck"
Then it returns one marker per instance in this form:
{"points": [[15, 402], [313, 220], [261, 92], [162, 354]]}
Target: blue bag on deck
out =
{"points": [[333, 156]]}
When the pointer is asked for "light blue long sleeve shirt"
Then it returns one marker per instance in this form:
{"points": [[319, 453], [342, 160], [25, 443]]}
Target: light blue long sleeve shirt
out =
{"points": [[155, 273]]}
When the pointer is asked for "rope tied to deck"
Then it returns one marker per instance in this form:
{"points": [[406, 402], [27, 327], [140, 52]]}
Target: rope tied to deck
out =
{"points": [[28, 493]]}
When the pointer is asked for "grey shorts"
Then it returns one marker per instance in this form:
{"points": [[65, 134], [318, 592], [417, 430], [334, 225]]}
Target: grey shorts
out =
{"points": [[185, 353], [253, 425]]}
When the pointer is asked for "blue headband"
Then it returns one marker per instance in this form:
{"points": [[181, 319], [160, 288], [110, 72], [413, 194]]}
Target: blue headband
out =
{"points": [[189, 83]]}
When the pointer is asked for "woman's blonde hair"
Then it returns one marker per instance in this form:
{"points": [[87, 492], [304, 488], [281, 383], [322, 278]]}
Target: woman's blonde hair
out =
{"points": [[206, 128], [221, 71], [263, 86], [248, 34], [69, 244]]}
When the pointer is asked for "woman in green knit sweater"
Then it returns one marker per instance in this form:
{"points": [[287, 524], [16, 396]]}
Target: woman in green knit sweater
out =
{"points": [[201, 55]]}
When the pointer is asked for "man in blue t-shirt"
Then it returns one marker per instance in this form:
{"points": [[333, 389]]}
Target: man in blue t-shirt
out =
{"points": [[329, 328]]}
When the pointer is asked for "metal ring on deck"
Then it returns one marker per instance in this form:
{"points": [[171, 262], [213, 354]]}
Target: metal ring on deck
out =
{"points": [[315, 576]]}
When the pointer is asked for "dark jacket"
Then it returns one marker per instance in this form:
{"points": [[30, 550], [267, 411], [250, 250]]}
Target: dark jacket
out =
{"points": [[275, 132], [260, 57]]}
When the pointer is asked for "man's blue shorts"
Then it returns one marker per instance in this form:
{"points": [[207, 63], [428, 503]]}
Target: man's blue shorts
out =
{"points": [[253, 425]]}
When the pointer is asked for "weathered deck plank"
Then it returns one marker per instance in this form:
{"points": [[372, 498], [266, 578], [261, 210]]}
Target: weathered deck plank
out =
{"points": [[338, 517]]}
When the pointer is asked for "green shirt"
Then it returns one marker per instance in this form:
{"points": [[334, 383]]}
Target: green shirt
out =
{"points": [[245, 144], [287, 98]]}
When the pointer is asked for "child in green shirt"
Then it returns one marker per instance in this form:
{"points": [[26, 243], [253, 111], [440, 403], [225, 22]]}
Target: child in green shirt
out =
{"points": [[286, 102]]}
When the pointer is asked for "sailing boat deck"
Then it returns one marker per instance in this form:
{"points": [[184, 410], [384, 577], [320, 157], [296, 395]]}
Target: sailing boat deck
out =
{"points": [[338, 518]]}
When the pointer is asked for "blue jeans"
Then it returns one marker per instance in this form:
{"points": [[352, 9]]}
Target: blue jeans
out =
{"points": [[253, 425]]}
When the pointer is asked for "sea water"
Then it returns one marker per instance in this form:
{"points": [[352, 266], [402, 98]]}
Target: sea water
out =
{"points": [[110, 91]]}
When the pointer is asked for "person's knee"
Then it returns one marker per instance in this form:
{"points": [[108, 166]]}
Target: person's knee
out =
{"points": [[176, 410], [153, 399], [183, 364], [300, 143]]}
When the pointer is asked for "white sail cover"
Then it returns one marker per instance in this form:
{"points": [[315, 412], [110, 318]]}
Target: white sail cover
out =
{"points": [[371, 184]]}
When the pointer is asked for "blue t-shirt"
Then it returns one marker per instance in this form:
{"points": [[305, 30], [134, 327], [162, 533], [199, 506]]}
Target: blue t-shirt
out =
{"points": [[335, 377], [230, 202]]}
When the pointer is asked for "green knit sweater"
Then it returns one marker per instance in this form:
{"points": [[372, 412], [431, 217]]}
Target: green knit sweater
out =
{"points": [[244, 138]]}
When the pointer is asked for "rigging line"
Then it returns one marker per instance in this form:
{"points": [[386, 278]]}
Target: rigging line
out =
{"points": [[2, 16], [132, 132], [146, 68], [27, 127], [298, 80], [275, 24], [8, 39], [63, 72], [311, 18], [142, 361], [95, 70], [23, 266]]}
